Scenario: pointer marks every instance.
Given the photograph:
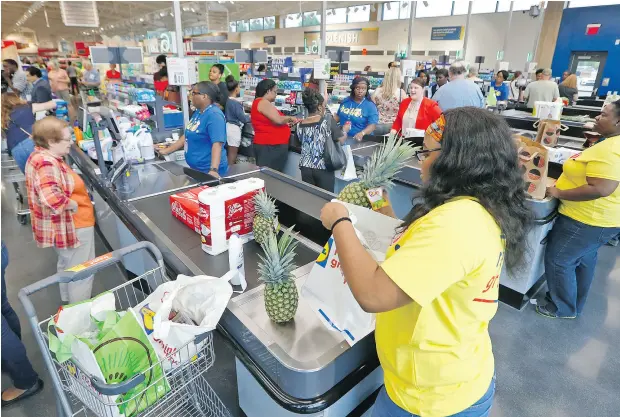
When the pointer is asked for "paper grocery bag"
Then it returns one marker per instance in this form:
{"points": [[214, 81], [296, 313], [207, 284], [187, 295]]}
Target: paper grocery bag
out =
{"points": [[534, 163], [348, 172], [549, 131], [326, 289]]}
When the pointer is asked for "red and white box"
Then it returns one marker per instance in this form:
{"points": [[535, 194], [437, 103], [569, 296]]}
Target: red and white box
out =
{"points": [[226, 210], [185, 207]]}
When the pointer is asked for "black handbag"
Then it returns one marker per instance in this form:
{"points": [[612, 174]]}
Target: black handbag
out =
{"points": [[333, 155]]}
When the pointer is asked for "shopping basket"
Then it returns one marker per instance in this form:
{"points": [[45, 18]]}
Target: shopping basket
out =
{"points": [[78, 393]]}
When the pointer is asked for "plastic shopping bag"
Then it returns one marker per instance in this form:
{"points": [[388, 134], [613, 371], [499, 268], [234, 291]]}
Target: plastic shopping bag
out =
{"points": [[93, 340], [200, 301], [348, 172], [326, 289]]}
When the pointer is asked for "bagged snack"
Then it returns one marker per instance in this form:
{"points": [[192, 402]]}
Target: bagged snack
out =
{"points": [[534, 163]]}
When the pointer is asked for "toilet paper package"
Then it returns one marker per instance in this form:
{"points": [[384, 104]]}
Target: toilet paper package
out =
{"points": [[226, 210]]}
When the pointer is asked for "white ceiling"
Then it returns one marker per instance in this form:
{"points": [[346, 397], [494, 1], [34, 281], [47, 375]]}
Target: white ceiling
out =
{"points": [[125, 15]]}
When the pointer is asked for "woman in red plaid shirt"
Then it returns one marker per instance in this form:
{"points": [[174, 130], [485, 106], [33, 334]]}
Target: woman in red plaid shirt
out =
{"points": [[61, 211]]}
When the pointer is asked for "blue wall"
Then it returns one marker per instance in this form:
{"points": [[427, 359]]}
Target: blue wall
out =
{"points": [[572, 37]]}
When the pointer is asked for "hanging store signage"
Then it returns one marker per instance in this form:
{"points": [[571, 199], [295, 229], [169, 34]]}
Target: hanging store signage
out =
{"points": [[447, 33], [363, 36], [269, 40], [161, 42]]}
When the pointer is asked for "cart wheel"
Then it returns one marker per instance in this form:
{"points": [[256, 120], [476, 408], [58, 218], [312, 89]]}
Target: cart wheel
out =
{"points": [[23, 219]]}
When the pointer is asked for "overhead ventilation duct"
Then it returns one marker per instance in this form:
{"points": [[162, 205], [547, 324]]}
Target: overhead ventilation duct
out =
{"points": [[82, 13]]}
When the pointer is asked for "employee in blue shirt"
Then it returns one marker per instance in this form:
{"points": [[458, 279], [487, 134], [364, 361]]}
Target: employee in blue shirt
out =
{"points": [[357, 114], [502, 91], [205, 134]]}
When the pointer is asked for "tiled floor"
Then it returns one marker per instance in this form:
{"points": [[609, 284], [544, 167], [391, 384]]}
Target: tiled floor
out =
{"points": [[544, 367]]}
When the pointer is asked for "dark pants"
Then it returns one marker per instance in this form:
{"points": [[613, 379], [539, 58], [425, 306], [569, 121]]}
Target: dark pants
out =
{"points": [[318, 177], [271, 156], [74, 85], [14, 359], [570, 260]]}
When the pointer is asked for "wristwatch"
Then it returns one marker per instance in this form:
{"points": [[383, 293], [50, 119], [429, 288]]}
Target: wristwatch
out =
{"points": [[213, 170]]}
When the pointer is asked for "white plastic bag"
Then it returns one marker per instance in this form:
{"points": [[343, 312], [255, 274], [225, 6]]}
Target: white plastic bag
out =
{"points": [[327, 291], [348, 172], [131, 147], [202, 299]]}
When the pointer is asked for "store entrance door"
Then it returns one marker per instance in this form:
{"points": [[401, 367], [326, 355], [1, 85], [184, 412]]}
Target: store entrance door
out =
{"points": [[588, 66]]}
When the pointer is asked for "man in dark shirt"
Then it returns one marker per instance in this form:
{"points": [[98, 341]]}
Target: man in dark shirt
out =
{"points": [[41, 90], [215, 76]]}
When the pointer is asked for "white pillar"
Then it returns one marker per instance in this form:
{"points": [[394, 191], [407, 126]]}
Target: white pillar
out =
{"points": [[507, 34], [322, 43], [412, 12], [179, 34], [471, 4]]}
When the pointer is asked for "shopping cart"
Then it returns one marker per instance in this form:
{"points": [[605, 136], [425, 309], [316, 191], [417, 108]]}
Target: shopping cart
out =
{"points": [[11, 173], [78, 393]]}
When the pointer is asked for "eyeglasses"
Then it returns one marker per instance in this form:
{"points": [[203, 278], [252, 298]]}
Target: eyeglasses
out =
{"points": [[422, 155]]}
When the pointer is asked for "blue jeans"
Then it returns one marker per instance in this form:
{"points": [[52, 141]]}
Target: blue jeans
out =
{"points": [[570, 259], [14, 358], [385, 407], [21, 152]]}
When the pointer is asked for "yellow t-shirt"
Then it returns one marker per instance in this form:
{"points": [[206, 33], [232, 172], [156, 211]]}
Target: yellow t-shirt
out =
{"points": [[436, 351], [600, 161]]}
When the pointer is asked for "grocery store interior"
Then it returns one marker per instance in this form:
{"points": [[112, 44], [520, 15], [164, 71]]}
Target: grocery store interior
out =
{"points": [[180, 113]]}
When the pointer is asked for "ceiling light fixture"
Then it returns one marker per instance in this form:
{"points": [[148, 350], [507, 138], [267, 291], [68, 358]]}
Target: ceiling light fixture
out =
{"points": [[356, 9], [389, 6], [405, 4], [162, 14], [141, 19]]}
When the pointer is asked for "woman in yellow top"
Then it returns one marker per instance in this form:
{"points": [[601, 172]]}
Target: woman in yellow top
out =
{"points": [[589, 217], [438, 287]]}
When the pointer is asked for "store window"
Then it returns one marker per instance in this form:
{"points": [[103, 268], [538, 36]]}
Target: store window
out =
{"points": [[243, 26], [391, 10], [256, 24], [311, 19], [478, 7], [232, 26], [433, 8], [335, 16], [270, 22], [293, 20], [359, 14], [519, 5], [589, 3]]}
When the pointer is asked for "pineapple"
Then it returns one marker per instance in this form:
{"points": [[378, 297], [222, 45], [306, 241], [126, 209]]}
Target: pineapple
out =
{"points": [[265, 219], [384, 164], [275, 269]]}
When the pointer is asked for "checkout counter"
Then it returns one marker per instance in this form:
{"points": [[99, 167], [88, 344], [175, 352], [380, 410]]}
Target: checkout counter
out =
{"points": [[299, 368]]}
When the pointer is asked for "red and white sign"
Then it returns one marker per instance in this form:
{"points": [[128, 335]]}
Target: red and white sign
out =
{"points": [[592, 29]]}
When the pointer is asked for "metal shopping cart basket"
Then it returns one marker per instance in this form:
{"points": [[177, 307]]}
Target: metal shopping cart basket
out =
{"points": [[78, 393], [12, 174]]}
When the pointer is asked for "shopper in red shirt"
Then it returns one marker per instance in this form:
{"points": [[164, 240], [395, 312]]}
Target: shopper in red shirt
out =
{"points": [[417, 111], [112, 75], [271, 128]]}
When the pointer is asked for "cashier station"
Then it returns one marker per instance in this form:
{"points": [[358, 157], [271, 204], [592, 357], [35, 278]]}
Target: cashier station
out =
{"points": [[301, 367]]}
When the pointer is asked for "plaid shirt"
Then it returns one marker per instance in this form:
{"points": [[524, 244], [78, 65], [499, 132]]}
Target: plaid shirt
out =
{"points": [[50, 185]]}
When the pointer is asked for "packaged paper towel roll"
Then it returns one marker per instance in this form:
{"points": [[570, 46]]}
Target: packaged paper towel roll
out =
{"points": [[225, 210]]}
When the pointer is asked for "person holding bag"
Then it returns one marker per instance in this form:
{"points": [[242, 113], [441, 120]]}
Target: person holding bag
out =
{"points": [[438, 288], [321, 141]]}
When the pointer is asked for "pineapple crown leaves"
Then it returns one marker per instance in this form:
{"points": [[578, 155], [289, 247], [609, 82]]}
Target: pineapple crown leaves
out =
{"points": [[386, 162], [277, 264], [265, 205]]}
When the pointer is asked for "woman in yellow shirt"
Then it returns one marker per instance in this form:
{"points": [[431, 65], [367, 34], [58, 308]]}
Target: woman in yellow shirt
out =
{"points": [[589, 217], [438, 287]]}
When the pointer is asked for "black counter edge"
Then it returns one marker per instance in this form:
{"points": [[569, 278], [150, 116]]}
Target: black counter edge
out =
{"points": [[293, 404], [175, 267]]}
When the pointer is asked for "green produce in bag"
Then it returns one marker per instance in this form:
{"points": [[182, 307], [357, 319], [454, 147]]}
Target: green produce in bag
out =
{"points": [[491, 98], [124, 352]]}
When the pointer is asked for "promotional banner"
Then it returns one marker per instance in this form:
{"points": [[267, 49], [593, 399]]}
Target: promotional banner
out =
{"points": [[203, 71], [447, 33]]}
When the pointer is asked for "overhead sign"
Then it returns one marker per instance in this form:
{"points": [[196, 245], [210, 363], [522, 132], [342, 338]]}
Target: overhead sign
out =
{"points": [[269, 40], [229, 69], [161, 42], [363, 36], [447, 33]]}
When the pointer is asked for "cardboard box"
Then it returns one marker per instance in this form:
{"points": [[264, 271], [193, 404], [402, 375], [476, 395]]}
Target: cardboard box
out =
{"points": [[185, 207]]}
